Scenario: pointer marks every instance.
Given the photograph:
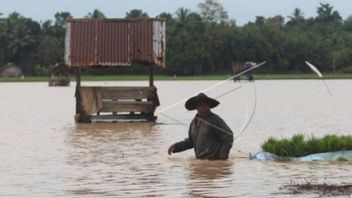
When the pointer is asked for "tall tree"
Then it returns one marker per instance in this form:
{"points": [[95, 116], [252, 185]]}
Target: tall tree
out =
{"points": [[185, 48], [276, 21], [51, 43], [96, 14], [59, 30], [166, 16], [2, 40], [136, 13], [213, 11], [181, 14], [204, 42], [327, 14], [170, 21], [259, 20], [348, 23], [49, 51], [21, 38], [215, 18], [61, 18], [60, 24], [296, 17], [47, 27]]}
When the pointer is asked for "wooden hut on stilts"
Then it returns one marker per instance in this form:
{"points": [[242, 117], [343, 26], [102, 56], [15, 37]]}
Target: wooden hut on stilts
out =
{"points": [[102, 43], [59, 75]]}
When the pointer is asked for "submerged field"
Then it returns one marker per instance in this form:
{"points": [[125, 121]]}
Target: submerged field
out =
{"points": [[46, 154], [163, 77]]}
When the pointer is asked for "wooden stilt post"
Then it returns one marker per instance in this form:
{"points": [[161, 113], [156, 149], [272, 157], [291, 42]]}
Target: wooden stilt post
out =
{"points": [[150, 115], [151, 75], [80, 116], [77, 93]]}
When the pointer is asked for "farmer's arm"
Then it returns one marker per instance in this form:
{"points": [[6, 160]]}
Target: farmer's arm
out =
{"points": [[182, 145]]}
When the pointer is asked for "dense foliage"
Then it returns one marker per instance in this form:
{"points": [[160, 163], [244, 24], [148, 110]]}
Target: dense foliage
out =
{"points": [[201, 42], [299, 146]]}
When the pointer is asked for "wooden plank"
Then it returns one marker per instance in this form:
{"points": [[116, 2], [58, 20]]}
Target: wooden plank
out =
{"points": [[127, 106], [122, 93], [124, 117]]}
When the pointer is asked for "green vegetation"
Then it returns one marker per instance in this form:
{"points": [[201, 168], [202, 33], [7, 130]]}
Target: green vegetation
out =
{"points": [[299, 146], [164, 77], [25, 79], [201, 42]]}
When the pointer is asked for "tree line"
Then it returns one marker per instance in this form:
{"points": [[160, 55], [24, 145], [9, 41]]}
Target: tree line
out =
{"points": [[205, 41]]}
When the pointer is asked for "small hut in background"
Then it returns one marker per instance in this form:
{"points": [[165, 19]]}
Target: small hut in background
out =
{"points": [[59, 75], [102, 43], [11, 70], [240, 67]]}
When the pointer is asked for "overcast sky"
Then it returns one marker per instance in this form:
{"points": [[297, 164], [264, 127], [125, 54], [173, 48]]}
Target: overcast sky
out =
{"points": [[242, 11]]}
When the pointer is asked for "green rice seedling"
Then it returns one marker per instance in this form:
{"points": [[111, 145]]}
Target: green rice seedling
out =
{"points": [[332, 143], [284, 148], [270, 145], [348, 142], [299, 146], [315, 145]]}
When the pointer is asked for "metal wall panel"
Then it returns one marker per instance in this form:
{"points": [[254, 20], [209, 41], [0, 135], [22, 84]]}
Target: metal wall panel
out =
{"points": [[159, 44], [114, 42]]}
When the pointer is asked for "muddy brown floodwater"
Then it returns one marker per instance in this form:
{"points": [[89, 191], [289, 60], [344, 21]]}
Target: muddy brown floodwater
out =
{"points": [[44, 153]]}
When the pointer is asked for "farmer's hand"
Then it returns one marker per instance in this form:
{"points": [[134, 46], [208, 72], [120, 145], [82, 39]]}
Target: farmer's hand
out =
{"points": [[171, 150]]}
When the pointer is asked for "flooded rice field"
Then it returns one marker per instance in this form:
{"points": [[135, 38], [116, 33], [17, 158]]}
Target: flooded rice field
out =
{"points": [[44, 153]]}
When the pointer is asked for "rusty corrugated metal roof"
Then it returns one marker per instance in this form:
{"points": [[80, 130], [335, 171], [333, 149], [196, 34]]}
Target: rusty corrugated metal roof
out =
{"points": [[115, 42]]}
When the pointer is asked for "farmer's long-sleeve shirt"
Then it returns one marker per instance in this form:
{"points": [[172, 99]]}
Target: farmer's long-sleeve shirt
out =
{"points": [[210, 137]]}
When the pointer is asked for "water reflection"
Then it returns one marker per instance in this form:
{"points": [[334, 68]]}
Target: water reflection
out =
{"points": [[103, 142], [113, 159], [210, 169], [209, 178]]}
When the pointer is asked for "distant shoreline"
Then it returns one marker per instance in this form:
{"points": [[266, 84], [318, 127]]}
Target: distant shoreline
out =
{"points": [[171, 78]]}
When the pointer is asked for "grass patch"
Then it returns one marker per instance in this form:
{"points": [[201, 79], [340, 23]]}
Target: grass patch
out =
{"points": [[299, 145], [301, 76], [117, 78]]}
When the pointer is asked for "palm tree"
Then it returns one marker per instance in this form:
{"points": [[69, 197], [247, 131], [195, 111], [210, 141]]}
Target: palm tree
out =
{"points": [[297, 17], [181, 14], [18, 32], [21, 38]]}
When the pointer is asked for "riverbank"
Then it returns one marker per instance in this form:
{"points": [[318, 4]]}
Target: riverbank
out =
{"points": [[164, 77]]}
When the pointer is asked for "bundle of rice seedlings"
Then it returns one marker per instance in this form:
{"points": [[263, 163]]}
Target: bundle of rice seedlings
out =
{"points": [[299, 145]]}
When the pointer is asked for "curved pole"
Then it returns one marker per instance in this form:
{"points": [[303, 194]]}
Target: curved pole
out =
{"points": [[245, 125], [213, 86]]}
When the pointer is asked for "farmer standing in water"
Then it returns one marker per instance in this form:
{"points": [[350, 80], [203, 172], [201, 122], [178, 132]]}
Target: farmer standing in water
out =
{"points": [[208, 134]]}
